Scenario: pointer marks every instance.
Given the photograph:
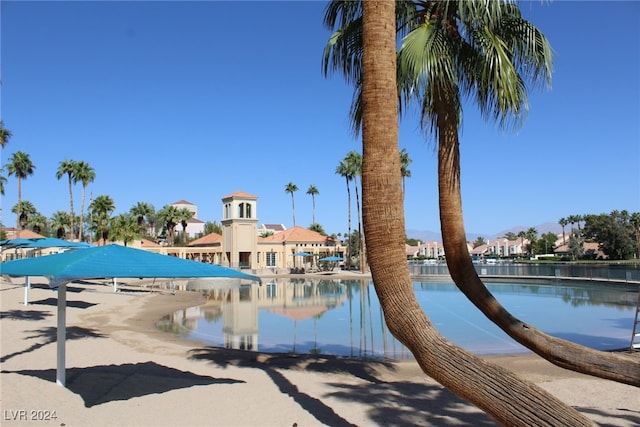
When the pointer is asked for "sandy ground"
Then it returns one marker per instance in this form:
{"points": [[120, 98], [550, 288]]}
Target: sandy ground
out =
{"points": [[122, 371]]}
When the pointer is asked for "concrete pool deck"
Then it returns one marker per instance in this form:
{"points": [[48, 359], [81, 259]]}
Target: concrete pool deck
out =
{"points": [[122, 371]]}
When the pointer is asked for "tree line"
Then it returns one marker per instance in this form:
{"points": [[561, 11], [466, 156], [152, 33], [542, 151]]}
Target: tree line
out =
{"points": [[98, 224]]}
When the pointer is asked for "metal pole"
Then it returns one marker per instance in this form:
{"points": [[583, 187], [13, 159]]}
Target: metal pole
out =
{"points": [[27, 286], [62, 334]]}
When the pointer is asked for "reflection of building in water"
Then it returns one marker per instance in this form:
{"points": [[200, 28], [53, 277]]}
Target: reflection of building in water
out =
{"points": [[240, 318], [295, 299]]}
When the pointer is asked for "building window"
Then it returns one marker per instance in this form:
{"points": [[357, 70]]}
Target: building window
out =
{"points": [[271, 259], [248, 210]]}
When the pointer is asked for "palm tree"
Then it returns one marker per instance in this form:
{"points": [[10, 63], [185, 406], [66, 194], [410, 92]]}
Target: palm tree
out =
{"points": [[572, 220], [124, 227], [101, 209], [85, 174], [343, 171], [24, 209], [5, 135], [37, 222], [405, 161], [489, 386], [313, 192], [291, 188], [184, 216], [68, 167], [563, 223], [3, 180], [143, 212], [169, 216], [21, 167], [59, 222], [488, 52], [354, 163], [532, 235]]}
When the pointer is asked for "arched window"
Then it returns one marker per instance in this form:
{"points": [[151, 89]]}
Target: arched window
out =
{"points": [[248, 210]]}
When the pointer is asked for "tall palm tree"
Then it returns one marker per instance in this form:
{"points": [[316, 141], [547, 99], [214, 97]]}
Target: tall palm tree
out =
{"points": [[405, 161], [5, 135], [572, 219], [563, 223], [313, 192], [84, 174], [21, 167], [487, 51], [344, 171], [489, 386], [354, 163], [68, 167], [101, 209], [291, 188]]}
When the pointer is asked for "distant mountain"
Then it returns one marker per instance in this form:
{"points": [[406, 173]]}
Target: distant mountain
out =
{"points": [[427, 236], [423, 235]]}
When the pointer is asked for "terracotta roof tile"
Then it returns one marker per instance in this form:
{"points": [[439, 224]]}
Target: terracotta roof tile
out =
{"points": [[209, 239], [12, 233], [240, 194], [297, 234]]}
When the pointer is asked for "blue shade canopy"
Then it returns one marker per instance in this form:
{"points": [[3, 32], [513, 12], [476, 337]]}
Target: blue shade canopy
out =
{"points": [[42, 242], [331, 258], [302, 254], [15, 243], [115, 261]]}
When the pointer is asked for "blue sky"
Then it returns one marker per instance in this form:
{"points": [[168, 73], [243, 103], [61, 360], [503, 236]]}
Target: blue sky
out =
{"points": [[197, 100]]}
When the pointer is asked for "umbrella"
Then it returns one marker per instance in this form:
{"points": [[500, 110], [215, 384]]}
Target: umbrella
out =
{"points": [[40, 243], [302, 254], [115, 261], [15, 243], [54, 242], [331, 258], [107, 261]]}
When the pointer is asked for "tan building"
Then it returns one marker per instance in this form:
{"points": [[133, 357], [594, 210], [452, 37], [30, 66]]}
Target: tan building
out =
{"points": [[240, 245]]}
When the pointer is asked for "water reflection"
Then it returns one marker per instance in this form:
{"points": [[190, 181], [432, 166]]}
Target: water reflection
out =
{"points": [[344, 317]]}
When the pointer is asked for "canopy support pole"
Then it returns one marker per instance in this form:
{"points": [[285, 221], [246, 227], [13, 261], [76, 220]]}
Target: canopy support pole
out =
{"points": [[27, 286], [62, 334], [115, 285]]}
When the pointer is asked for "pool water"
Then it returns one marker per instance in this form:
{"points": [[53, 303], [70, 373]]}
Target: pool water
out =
{"points": [[344, 317]]}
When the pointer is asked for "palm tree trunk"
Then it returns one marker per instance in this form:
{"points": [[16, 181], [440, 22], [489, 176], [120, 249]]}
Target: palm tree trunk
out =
{"points": [[612, 366], [81, 213], [499, 392], [71, 219], [19, 206], [348, 224]]}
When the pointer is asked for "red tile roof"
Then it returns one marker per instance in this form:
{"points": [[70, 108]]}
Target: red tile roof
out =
{"points": [[297, 234], [12, 233], [209, 239], [240, 194]]}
